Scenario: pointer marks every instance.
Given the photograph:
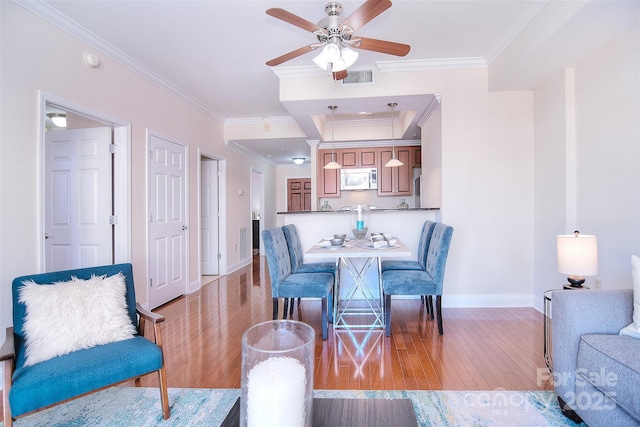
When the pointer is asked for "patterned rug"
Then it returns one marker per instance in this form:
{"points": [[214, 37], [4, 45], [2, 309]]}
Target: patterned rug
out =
{"points": [[131, 406]]}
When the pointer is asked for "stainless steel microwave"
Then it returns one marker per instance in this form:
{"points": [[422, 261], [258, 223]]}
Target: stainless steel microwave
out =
{"points": [[359, 179]]}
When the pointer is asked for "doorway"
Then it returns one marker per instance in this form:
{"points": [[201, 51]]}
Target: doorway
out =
{"points": [[257, 210], [209, 217], [108, 178]]}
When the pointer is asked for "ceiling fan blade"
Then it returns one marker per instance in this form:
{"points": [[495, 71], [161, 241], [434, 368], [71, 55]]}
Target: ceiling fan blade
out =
{"points": [[339, 75], [287, 56], [292, 19], [365, 13], [391, 48]]}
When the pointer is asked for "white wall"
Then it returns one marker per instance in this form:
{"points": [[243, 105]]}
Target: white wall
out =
{"points": [[38, 56], [487, 177], [599, 168]]}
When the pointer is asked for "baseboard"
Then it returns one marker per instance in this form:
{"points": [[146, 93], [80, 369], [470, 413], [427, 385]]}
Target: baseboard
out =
{"points": [[487, 301], [239, 265]]}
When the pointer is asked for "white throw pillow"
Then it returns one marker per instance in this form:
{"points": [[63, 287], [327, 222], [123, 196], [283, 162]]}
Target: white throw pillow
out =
{"points": [[633, 330], [69, 316]]}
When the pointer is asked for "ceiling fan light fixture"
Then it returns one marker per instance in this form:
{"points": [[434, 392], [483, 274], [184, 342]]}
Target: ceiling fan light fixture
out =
{"points": [[321, 60], [349, 56], [331, 52]]}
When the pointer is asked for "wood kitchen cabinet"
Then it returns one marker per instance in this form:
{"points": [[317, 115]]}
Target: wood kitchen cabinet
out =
{"points": [[417, 157], [328, 179], [358, 157], [395, 181]]}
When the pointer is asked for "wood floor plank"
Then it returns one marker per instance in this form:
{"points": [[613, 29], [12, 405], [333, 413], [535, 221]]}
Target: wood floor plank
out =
{"points": [[481, 348]]}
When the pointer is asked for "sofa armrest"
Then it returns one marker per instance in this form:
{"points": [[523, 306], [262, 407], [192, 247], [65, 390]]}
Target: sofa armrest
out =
{"points": [[154, 318], [580, 312]]}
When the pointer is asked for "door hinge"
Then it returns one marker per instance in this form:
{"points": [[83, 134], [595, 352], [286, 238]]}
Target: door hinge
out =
{"points": [[219, 256], [151, 218], [150, 283], [113, 219], [113, 148], [150, 154]]}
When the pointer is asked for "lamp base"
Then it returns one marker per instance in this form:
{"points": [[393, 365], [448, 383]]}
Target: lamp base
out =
{"points": [[576, 281]]}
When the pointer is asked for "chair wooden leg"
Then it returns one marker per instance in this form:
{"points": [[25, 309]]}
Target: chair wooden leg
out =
{"points": [[325, 319], [7, 368], [286, 307], [387, 314], [275, 308], [439, 309], [164, 395]]}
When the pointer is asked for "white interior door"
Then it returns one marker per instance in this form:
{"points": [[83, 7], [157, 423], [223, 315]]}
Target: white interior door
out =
{"points": [[167, 220], [209, 218], [78, 198]]}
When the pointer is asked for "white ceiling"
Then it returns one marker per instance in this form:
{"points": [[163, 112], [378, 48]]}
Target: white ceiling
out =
{"points": [[213, 52]]}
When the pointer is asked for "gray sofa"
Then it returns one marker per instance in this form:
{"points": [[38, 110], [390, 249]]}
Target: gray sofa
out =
{"points": [[596, 372]]}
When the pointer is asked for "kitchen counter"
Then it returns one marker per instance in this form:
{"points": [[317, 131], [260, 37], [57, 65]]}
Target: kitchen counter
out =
{"points": [[373, 211]]}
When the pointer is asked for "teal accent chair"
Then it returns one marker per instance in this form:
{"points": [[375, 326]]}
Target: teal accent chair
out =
{"points": [[286, 284], [43, 384], [297, 260], [428, 281], [423, 248]]}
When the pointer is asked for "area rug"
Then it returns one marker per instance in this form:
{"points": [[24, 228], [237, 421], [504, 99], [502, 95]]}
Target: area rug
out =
{"points": [[139, 406]]}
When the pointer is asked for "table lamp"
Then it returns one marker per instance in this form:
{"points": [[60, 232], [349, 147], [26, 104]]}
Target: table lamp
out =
{"points": [[577, 256]]}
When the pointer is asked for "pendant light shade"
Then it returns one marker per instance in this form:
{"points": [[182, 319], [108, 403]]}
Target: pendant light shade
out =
{"points": [[332, 164], [393, 163]]}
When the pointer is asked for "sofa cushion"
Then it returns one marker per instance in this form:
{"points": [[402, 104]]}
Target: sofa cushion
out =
{"points": [[68, 316], [611, 364], [633, 330], [48, 382]]}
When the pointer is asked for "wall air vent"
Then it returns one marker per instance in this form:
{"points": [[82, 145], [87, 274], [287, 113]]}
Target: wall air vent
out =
{"points": [[358, 77]]}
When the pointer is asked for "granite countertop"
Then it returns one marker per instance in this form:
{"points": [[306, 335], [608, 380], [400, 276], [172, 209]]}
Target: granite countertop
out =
{"points": [[371, 211]]}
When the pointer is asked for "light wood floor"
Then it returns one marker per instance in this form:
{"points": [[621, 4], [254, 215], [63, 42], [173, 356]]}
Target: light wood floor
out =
{"points": [[481, 349]]}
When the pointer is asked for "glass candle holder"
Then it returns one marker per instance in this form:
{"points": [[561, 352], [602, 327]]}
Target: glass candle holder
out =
{"points": [[277, 375], [360, 221]]}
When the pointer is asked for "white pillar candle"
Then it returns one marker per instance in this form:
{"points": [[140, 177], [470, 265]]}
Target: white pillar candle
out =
{"points": [[276, 393]]}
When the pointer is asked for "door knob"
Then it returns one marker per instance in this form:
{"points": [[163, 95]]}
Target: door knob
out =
{"points": [[46, 236], [184, 227]]}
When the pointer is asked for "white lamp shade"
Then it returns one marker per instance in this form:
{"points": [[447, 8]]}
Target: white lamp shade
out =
{"points": [[349, 56], [578, 254], [332, 165], [321, 60], [393, 163], [331, 52]]}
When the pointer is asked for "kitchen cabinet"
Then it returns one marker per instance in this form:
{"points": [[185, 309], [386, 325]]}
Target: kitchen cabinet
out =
{"points": [[395, 181], [417, 157], [328, 179], [358, 157]]}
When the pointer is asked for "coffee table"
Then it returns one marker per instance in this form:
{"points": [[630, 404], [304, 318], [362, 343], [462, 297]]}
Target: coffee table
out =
{"points": [[350, 412]]}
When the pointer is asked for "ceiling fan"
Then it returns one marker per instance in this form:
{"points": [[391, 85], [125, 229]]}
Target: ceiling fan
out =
{"points": [[336, 37]]}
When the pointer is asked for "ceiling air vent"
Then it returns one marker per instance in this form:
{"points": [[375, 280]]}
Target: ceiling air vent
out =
{"points": [[358, 77]]}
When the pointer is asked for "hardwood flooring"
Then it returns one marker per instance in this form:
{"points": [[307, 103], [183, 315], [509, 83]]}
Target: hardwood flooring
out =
{"points": [[481, 349]]}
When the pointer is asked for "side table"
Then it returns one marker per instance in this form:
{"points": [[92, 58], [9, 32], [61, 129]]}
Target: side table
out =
{"points": [[548, 359]]}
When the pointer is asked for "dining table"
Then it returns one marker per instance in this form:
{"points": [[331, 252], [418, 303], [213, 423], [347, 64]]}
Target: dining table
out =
{"points": [[359, 304]]}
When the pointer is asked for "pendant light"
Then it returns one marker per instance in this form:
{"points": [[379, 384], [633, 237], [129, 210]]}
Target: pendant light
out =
{"points": [[393, 163], [332, 164]]}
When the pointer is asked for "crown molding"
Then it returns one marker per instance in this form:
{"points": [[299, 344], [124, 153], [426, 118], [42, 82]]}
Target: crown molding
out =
{"points": [[430, 64], [514, 30], [68, 25], [258, 120], [431, 107], [249, 153]]}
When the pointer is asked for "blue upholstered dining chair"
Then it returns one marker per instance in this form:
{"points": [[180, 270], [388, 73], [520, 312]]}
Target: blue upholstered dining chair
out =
{"points": [[421, 282], [285, 284], [419, 264], [297, 260]]}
